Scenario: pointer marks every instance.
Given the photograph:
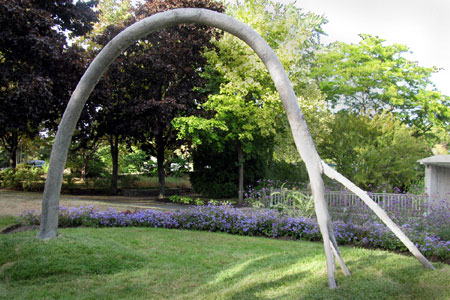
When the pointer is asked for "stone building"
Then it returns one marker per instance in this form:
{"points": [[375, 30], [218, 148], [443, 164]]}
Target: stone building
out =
{"points": [[437, 176]]}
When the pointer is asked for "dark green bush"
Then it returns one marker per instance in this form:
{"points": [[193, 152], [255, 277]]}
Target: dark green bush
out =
{"points": [[284, 171], [95, 167], [216, 170], [128, 181]]}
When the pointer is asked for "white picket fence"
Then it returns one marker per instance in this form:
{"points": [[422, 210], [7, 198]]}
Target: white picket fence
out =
{"points": [[385, 200], [341, 199]]}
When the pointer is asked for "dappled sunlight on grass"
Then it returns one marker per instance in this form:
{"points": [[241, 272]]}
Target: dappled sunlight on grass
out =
{"points": [[145, 263], [237, 269], [266, 277]]}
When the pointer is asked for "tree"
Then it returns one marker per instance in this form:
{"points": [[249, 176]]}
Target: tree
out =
{"points": [[154, 81], [246, 108], [370, 77], [215, 171], [85, 143], [37, 69], [377, 153]]}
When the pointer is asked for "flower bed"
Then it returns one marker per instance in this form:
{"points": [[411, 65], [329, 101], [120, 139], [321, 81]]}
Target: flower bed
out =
{"points": [[268, 223]]}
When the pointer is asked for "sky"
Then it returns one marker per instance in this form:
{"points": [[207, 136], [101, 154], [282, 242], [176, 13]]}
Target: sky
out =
{"points": [[422, 25]]}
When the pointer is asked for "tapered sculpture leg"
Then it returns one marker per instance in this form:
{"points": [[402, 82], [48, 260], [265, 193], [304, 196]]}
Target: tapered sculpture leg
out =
{"points": [[333, 174]]}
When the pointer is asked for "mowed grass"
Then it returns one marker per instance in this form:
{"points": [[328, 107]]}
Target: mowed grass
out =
{"points": [[6, 221], [147, 263]]}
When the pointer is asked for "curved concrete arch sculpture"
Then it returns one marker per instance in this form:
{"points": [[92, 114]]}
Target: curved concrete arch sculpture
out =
{"points": [[305, 145]]}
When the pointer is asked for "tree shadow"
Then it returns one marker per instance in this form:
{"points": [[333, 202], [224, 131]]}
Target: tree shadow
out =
{"points": [[255, 277], [381, 275]]}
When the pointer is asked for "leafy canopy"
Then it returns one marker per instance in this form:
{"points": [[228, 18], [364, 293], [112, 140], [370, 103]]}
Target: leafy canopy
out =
{"points": [[244, 104], [374, 152], [37, 68], [371, 76]]}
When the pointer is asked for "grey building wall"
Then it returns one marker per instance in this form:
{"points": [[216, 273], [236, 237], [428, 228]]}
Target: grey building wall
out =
{"points": [[437, 182]]}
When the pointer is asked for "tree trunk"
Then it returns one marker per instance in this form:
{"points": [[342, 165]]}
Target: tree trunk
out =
{"points": [[160, 147], [114, 143], [13, 157], [83, 171], [11, 144], [241, 175]]}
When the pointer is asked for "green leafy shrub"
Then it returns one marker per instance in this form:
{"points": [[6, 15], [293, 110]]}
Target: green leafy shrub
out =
{"points": [[180, 199], [295, 203], [102, 182], [69, 179], [377, 153], [134, 161], [285, 171], [128, 181], [177, 166], [95, 167], [216, 170], [186, 200], [24, 177]]}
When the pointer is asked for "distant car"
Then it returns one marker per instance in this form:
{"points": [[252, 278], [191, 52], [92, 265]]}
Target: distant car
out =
{"points": [[36, 163]]}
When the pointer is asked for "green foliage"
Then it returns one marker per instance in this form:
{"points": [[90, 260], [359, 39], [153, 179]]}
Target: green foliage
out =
{"points": [[177, 165], [444, 232], [104, 154], [128, 181], [245, 107], [95, 165], [371, 76], [186, 200], [24, 177], [294, 203], [243, 98], [69, 179], [103, 182], [283, 170], [180, 199], [134, 161], [375, 153], [4, 158], [215, 172]]}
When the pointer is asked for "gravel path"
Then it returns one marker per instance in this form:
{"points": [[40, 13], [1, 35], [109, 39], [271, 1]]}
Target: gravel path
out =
{"points": [[13, 203]]}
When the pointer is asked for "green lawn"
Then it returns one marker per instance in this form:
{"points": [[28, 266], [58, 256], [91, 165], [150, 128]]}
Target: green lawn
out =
{"points": [[146, 263], [6, 221]]}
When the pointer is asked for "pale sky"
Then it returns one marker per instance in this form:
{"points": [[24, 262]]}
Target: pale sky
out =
{"points": [[422, 25]]}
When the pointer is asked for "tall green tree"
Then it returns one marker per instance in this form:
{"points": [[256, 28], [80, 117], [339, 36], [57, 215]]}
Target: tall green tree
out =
{"points": [[245, 106], [371, 77]]}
